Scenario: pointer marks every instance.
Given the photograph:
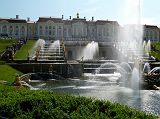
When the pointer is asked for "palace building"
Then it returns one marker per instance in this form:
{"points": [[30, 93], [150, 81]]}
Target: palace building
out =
{"points": [[77, 29], [151, 33], [72, 29]]}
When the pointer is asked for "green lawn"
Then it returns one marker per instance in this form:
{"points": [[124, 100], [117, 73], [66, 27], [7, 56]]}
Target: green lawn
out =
{"points": [[8, 73], [23, 52], [5, 43]]}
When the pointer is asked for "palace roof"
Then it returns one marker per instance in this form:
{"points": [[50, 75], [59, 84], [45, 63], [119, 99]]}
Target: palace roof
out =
{"points": [[54, 19], [151, 26], [13, 20]]}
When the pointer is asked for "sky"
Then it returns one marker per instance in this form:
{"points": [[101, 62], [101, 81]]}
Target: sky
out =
{"points": [[123, 11]]}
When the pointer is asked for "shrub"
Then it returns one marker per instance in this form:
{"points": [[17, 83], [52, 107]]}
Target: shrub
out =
{"points": [[44, 104]]}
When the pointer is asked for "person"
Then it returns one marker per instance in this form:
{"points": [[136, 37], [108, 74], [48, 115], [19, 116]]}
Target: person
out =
{"points": [[17, 81]]}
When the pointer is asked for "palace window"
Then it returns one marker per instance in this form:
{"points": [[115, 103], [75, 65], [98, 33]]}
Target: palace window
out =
{"points": [[40, 32], [22, 30], [40, 27], [147, 34], [107, 31], [151, 33], [4, 29], [65, 32], [46, 32], [50, 32], [16, 30], [53, 33], [155, 33], [155, 37], [10, 30], [69, 32]]}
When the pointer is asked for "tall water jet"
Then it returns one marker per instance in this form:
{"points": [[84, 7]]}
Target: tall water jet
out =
{"points": [[39, 43], [144, 45], [90, 51], [135, 79], [132, 38], [148, 47], [132, 32]]}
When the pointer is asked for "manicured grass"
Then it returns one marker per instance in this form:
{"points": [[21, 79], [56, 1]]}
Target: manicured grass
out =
{"points": [[38, 104], [5, 43], [23, 52], [8, 73]]}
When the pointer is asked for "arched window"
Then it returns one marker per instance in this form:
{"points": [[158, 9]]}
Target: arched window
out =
{"points": [[155, 33], [46, 31], [40, 27], [4, 29], [50, 33], [65, 32], [10, 30], [151, 33], [40, 30], [147, 33], [16, 30], [59, 31], [22, 30]]}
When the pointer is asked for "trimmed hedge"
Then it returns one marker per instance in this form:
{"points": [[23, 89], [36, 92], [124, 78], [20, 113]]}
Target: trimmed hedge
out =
{"points": [[27, 104]]}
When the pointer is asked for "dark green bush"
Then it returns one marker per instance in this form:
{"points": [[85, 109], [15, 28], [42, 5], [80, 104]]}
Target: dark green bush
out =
{"points": [[155, 50], [27, 104]]}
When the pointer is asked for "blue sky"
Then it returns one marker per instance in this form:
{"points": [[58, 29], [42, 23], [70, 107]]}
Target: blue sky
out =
{"points": [[100, 9]]}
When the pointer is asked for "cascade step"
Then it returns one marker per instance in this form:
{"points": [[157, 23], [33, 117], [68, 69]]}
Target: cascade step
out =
{"points": [[50, 57], [55, 54], [50, 53]]}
